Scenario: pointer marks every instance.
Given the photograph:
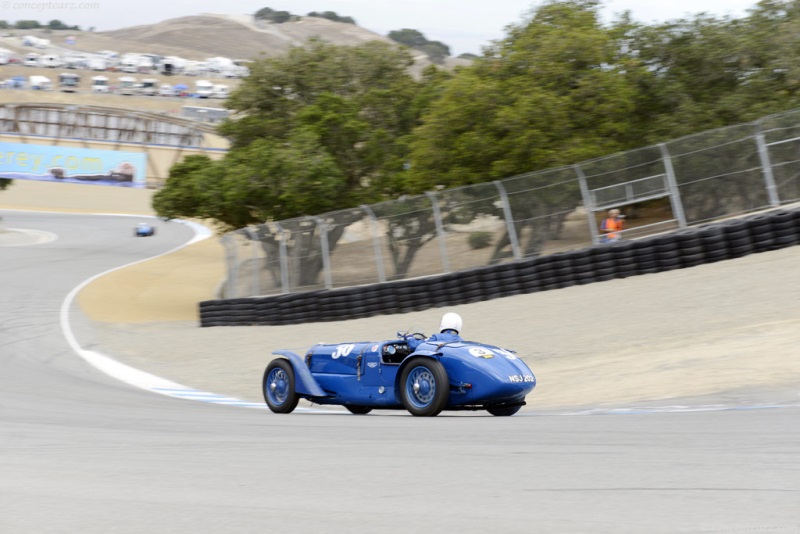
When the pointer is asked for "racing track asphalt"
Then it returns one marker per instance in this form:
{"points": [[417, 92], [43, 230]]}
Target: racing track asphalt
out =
{"points": [[82, 452]]}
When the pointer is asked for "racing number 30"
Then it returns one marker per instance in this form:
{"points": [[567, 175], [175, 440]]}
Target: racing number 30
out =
{"points": [[342, 350]]}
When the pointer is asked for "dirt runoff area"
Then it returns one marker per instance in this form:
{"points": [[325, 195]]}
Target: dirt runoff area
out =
{"points": [[724, 333]]}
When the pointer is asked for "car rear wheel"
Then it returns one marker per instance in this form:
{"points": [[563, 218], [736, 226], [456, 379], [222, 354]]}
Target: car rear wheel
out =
{"points": [[358, 410], [278, 386], [503, 410], [424, 387]]}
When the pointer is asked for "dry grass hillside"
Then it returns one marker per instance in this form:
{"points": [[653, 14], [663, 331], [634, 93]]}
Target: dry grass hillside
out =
{"points": [[194, 38]]}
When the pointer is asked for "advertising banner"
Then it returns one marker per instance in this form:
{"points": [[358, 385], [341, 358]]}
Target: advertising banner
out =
{"points": [[20, 161]]}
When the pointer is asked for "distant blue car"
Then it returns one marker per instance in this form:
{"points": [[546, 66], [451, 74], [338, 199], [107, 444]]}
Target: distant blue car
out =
{"points": [[364, 376], [144, 230]]}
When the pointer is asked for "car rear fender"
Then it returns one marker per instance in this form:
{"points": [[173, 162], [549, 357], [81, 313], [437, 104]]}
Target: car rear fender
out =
{"points": [[305, 383]]}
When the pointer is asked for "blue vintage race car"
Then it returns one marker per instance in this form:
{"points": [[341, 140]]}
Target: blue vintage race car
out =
{"points": [[460, 375], [144, 230]]}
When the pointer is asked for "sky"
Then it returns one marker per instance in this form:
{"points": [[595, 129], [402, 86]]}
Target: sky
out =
{"points": [[463, 25]]}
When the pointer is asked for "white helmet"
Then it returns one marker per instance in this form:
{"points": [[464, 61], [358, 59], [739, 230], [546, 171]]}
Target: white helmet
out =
{"points": [[451, 321]]}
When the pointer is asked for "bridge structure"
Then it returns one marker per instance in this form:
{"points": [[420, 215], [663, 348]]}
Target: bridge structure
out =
{"points": [[164, 138]]}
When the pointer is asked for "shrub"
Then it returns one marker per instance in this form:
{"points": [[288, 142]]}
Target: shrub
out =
{"points": [[480, 239]]}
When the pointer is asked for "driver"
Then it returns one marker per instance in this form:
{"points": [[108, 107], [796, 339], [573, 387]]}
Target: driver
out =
{"points": [[449, 330]]}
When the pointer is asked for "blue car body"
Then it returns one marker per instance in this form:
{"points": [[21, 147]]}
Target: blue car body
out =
{"points": [[144, 230], [436, 376]]}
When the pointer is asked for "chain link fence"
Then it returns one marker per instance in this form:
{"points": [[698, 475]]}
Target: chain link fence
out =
{"points": [[700, 178]]}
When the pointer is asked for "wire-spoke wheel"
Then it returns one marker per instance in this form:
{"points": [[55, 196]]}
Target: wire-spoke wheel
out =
{"points": [[424, 387], [278, 386]]}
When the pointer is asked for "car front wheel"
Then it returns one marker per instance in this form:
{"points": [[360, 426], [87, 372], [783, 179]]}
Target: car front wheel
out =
{"points": [[278, 386], [424, 387]]}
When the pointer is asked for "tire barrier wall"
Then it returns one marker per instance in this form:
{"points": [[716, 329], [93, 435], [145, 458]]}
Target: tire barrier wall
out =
{"points": [[677, 250]]}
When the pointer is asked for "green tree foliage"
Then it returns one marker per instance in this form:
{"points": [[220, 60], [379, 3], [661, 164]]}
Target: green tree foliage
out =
{"points": [[188, 189], [331, 15], [4, 183], [271, 15], [58, 25], [435, 50], [27, 25], [549, 94], [408, 37], [705, 72], [319, 129], [359, 104]]}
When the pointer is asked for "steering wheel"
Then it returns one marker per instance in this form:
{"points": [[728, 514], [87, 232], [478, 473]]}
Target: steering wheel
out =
{"points": [[419, 336]]}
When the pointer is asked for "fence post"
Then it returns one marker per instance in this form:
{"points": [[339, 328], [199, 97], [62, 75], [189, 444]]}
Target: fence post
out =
{"points": [[510, 228], [376, 242], [766, 167], [326, 259], [256, 271], [672, 184], [284, 260], [437, 219], [229, 288], [587, 203]]}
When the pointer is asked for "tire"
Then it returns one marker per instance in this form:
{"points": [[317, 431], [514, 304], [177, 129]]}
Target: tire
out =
{"points": [[358, 410], [424, 387], [278, 386], [503, 411]]}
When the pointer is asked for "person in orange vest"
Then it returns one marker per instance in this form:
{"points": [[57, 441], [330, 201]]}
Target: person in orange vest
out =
{"points": [[612, 226]]}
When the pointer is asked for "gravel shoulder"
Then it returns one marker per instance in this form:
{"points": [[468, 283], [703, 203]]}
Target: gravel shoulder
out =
{"points": [[727, 332]]}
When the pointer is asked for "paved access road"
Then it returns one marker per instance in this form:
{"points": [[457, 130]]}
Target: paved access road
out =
{"points": [[81, 452]]}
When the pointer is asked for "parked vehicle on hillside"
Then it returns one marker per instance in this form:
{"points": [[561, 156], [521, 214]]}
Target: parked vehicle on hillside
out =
{"points": [[171, 65], [129, 63], [149, 87], [127, 85], [98, 63], [167, 90], [40, 83], [31, 59], [195, 68], [110, 58], [76, 61], [36, 42], [100, 84], [145, 65], [50, 61], [69, 82], [240, 69], [203, 88], [220, 91]]}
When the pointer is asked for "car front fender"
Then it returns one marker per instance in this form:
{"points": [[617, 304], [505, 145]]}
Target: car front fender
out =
{"points": [[305, 383]]}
